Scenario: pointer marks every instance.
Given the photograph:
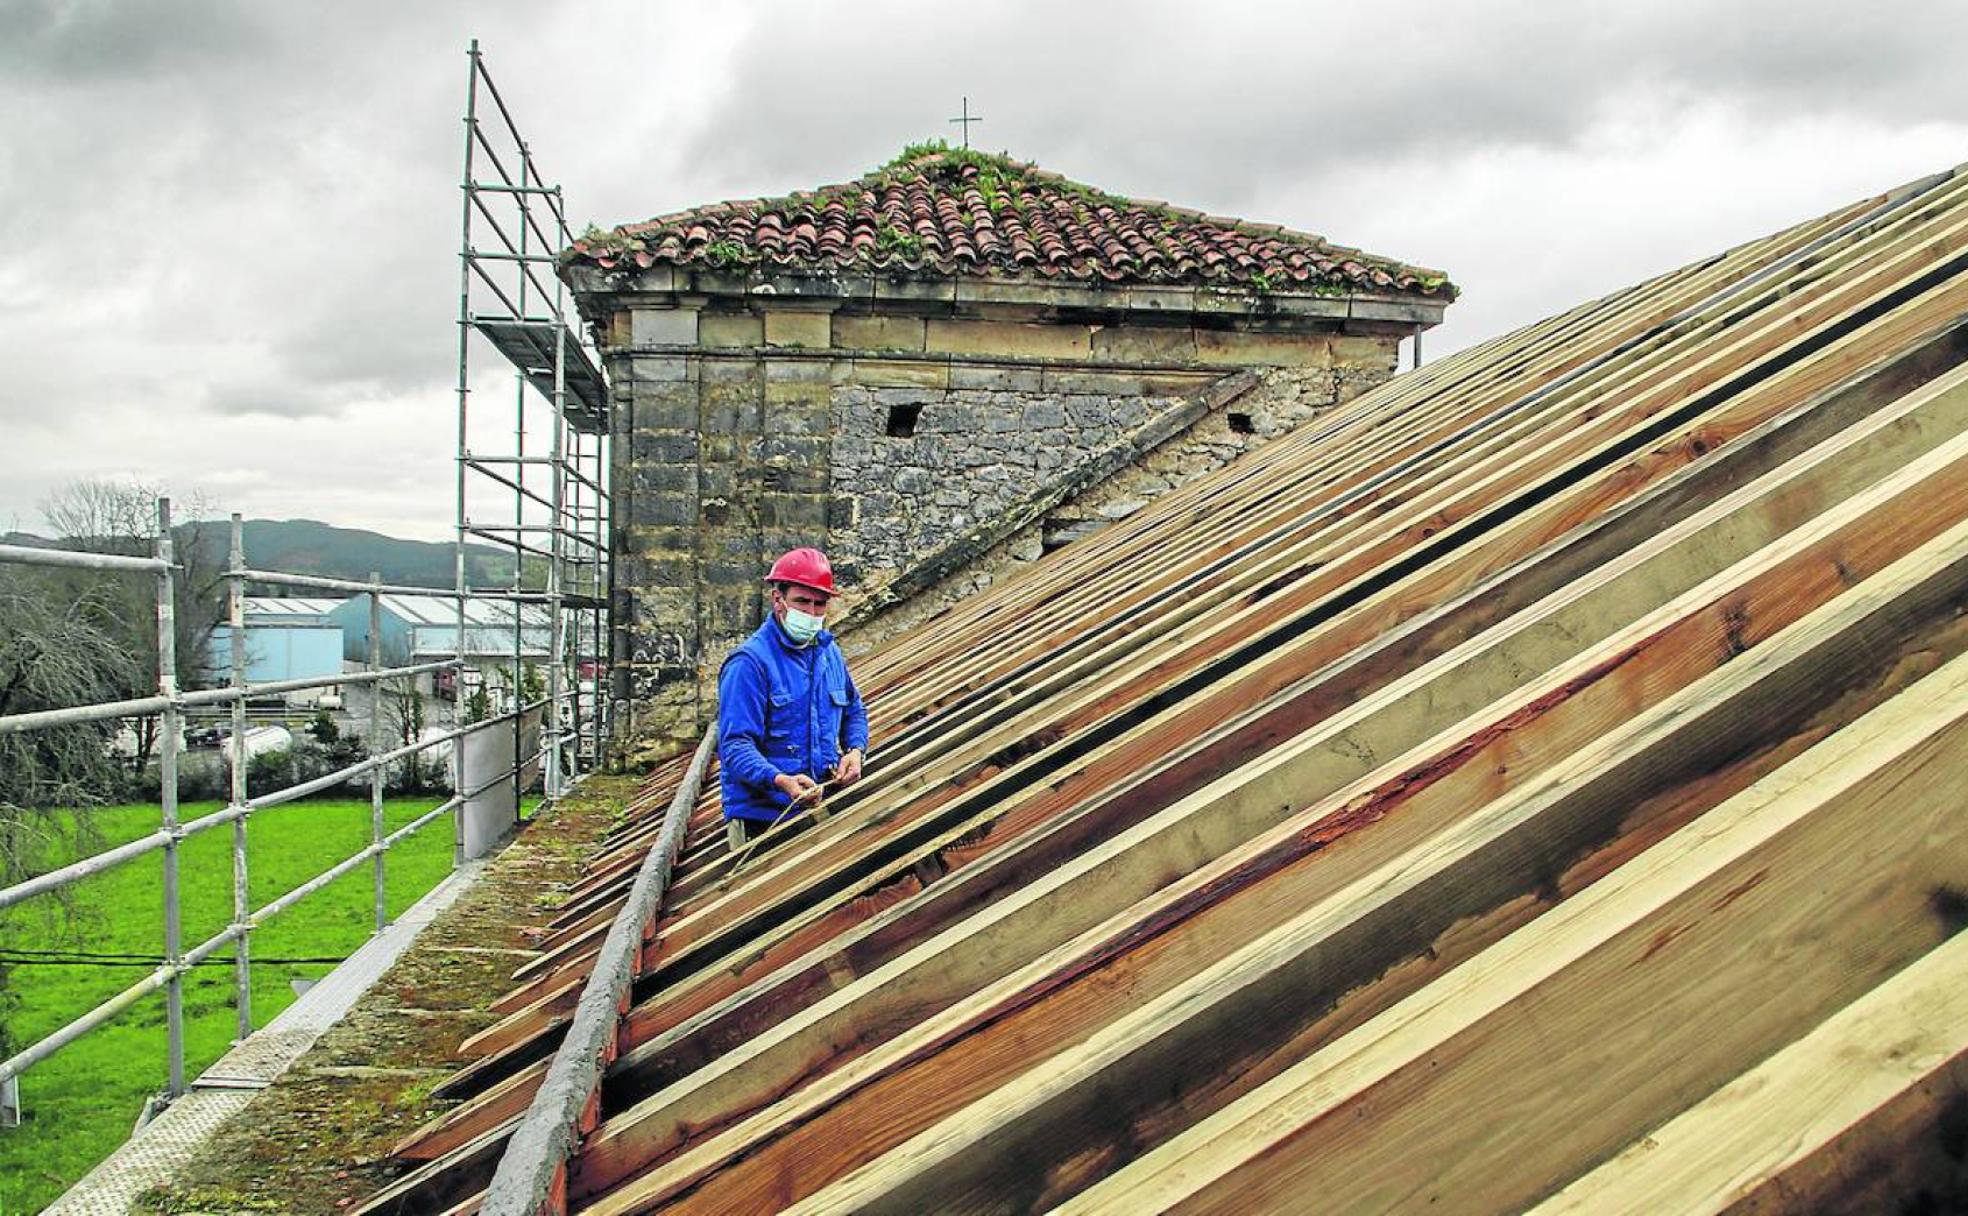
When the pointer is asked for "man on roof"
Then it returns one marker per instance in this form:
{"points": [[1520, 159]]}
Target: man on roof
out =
{"points": [[789, 716]]}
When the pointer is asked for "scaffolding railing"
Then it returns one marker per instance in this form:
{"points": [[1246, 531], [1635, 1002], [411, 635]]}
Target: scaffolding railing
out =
{"points": [[551, 516], [513, 228], [168, 706]]}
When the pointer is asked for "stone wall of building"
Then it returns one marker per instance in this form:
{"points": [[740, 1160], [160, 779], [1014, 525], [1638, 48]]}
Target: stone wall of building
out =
{"points": [[913, 467], [1269, 405], [929, 455]]}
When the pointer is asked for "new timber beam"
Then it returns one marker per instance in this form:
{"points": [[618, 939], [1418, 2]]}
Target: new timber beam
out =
{"points": [[1860, 1098], [1435, 669], [1857, 454], [1040, 915], [867, 1102], [1506, 1079]]}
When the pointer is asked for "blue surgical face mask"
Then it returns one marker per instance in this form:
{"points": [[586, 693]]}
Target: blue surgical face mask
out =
{"points": [[801, 627]]}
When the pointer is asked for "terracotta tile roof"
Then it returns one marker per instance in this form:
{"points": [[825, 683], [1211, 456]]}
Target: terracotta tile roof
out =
{"points": [[943, 211]]}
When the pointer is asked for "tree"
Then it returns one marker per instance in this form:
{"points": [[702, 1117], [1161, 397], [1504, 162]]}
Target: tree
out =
{"points": [[120, 517], [402, 706], [53, 653]]}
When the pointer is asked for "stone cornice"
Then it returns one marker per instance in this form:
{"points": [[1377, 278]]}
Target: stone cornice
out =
{"points": [[599, 292]]}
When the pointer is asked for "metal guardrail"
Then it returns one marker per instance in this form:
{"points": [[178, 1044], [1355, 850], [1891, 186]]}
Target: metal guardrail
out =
{"points": [[532, 1169], [567, 481], [169, 705], [145, 706]]}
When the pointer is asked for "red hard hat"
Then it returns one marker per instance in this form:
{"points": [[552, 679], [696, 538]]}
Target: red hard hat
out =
{"points": [[807, 567]]}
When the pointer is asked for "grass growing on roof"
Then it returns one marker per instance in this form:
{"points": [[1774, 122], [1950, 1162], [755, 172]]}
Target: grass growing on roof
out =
{"points": [[82, 1102]]}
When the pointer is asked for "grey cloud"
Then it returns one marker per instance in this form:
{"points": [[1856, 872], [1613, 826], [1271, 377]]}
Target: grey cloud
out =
{"points": [[102, 39], [248, 211], [1212, 101], [275, 398]]}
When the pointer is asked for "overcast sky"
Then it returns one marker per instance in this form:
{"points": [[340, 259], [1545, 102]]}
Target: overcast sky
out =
{"points": [[228, 231]]}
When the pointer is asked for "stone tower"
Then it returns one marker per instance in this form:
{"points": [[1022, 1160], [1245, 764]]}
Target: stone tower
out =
{"points": [[936, 373]]}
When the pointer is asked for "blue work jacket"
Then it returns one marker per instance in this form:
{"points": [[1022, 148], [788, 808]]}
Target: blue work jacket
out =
{"points": [[782, 709]]}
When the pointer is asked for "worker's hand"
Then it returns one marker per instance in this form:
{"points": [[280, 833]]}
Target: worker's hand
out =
{"points": [[797, 786], [848, 771]]}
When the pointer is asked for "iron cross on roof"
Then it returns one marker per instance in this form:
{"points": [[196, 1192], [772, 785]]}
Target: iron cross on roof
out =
{"points": [[966, 120]]}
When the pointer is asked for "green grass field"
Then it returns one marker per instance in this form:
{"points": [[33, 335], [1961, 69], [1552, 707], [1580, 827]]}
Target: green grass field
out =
{"points": [[82, 1102]]}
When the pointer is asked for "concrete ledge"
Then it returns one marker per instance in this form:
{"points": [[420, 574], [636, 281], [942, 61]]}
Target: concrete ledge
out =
{"points": [[599, 292], [160, 1149]]}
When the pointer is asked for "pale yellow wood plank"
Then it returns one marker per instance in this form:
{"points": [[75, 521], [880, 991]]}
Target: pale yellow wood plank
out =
{"points": [[1733, 1150]]}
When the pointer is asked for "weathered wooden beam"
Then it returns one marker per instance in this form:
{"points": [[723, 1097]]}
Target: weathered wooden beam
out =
{"points": [[439, 1186], [489, 1111]]}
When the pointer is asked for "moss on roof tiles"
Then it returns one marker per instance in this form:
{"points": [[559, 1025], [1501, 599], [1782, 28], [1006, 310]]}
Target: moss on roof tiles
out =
{"points": [[937, 211]]}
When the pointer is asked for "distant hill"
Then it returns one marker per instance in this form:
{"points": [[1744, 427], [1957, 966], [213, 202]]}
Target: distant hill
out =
{"points": [[306, 546]]}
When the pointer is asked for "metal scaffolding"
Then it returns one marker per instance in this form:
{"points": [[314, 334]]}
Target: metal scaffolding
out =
{"points": [[539, 494], [551, 511]]}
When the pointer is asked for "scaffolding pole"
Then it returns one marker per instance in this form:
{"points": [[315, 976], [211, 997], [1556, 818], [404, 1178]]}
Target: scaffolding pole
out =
{"points": [[236, 616], [554, 529], [167, 796]]}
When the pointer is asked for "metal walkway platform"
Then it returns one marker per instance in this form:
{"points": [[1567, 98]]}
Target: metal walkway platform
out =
{"points": [[529, 344]]}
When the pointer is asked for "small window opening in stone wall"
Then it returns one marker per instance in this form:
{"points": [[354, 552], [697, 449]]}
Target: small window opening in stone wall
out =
{"points": [[902, 420], [1240, 424]]}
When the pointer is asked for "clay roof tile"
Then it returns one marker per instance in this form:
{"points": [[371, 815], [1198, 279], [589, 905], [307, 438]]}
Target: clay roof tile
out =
{"points": [[945, 211]]}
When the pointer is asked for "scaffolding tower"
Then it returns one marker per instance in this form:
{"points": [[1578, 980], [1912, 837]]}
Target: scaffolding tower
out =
{"points": [[537, 491]]}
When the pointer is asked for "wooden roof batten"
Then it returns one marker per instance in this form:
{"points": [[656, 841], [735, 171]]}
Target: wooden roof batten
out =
{"points": [[1569, 673]]}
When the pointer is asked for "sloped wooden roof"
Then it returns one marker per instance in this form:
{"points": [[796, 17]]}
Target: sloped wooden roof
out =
{"points": [[1477, 798]]}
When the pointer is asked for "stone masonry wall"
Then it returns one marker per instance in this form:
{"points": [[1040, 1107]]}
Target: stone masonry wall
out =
{"points": [[1281, 400], [963, 456], [923, 453]]}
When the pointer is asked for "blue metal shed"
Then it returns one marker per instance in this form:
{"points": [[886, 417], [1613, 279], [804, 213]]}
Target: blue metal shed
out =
{"points": [[287, 638]]}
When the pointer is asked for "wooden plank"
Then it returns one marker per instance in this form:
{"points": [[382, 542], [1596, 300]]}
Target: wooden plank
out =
{"points": [[439, 1186], [1711, 436], [1858, 456], [1500, 1082], [790, 1140], [488, 1112], [1273, 479], [1752, 1145]]}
